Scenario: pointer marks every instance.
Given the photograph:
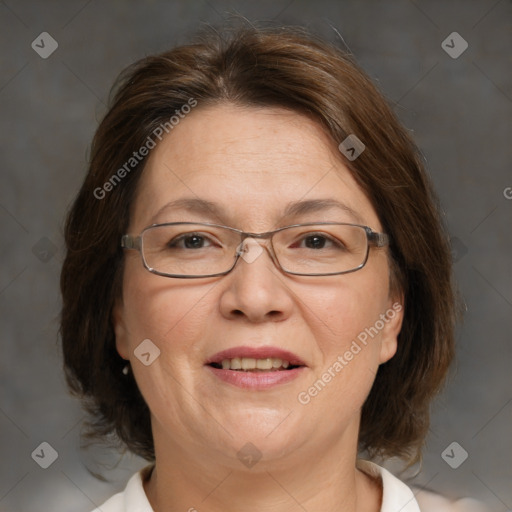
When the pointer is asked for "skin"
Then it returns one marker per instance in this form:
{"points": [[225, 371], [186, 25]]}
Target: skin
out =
{"points": [[253, 162]]}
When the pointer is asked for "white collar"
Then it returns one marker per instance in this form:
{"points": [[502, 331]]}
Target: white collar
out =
{"points": [[396, 496]]}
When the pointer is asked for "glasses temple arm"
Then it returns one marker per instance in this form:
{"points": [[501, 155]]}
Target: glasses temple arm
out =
{"points": [[378, 239], [131, 242]]}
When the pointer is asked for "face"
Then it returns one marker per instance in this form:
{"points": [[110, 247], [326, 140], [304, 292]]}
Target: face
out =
{"points": [[252, 163]]}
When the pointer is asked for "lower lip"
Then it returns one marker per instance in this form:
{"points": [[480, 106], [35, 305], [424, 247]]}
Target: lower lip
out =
{"points": [[256, 380]]}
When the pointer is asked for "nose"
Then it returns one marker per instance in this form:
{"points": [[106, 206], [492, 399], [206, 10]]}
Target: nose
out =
{"points": [[256, 289]]}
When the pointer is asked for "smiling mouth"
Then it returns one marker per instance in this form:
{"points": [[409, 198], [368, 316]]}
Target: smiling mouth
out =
{"points": [[249, 364]]}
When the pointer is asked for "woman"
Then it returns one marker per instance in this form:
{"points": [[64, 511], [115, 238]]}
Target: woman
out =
{"points": [[257, 286]]}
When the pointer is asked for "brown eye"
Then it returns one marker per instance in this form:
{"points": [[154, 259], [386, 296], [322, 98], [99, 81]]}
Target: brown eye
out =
{"points": [[189, 241], [315, 242], [318, 241]]}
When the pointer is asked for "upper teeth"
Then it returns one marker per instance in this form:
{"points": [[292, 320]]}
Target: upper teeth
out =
{"points": [[249, 363]]}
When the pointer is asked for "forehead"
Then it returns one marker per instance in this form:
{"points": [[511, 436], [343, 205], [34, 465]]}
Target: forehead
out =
{"points": [[248, 165]]}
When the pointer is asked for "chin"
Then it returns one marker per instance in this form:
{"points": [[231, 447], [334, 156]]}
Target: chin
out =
{"points": [[270, 436]]}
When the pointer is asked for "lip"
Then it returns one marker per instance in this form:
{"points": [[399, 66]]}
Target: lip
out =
{"points": [[256, 380], [259, 380], [257, 353]]}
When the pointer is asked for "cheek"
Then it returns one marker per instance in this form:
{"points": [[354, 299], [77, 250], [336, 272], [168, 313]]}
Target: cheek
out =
{"points": [[345, 308], [175, 317], [342, 318], [171, 314]]}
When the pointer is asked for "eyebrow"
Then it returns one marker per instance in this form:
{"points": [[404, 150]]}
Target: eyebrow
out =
{"points": [[293, 209]]}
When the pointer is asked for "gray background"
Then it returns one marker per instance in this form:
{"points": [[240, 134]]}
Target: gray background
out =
{"points": [[459, 111]]}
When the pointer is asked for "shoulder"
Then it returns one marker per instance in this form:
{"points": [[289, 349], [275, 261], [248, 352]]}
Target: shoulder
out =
{"points": [[396, 495], [113, 504], [132, 499], [432, 502]]}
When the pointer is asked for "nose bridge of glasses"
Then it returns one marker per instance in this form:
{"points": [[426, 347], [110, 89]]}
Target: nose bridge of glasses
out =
{"points": [[252, 244]]}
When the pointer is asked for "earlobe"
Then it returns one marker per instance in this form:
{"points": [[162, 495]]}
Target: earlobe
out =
{"points": [[120, 329], [393, 324]]}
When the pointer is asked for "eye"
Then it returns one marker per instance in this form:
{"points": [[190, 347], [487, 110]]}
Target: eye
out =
{"points": [[318, 241], [315, 241], [190, 241]]}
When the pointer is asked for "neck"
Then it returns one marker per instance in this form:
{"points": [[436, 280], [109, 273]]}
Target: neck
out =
{"points": [[328, 481]]}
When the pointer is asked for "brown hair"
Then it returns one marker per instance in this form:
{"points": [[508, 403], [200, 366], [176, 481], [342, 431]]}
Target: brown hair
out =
{"points": [[283, 67]]}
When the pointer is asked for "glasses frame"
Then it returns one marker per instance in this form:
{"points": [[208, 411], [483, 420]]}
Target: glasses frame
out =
{"points": [[135, 242]]}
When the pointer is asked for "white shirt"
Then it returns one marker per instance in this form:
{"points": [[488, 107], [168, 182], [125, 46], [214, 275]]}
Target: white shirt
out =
{"points": [[396, 496]]}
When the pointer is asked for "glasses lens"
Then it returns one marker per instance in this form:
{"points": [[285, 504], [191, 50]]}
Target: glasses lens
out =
{"points": [[321, 248], [200, 250], [189, 249]]}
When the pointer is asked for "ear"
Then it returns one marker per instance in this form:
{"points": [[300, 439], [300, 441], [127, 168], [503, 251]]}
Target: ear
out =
{"points": [[393, 318], [120, 329]]}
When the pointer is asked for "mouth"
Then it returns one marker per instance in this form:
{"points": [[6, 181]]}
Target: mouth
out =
{"points": [[251, 364], [256, 368], [258, 359]]}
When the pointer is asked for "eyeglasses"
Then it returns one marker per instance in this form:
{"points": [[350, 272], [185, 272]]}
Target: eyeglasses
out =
{"points": [[191, 250]]}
